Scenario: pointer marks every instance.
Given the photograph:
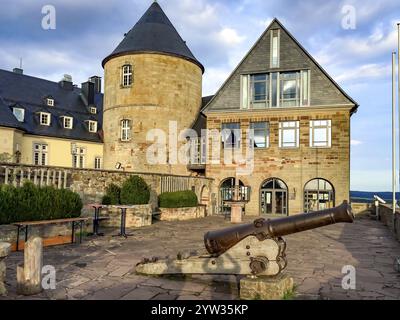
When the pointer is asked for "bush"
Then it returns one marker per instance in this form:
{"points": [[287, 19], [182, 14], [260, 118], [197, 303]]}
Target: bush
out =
{"points": [[32, 203], [135, 191], [179, 199], [113, 195]]}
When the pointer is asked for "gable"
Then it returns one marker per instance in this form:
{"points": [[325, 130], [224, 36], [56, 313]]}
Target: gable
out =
{"points": [[323, 90]]}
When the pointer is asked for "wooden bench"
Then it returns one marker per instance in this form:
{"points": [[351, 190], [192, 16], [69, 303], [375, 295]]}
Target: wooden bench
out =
{"points": [[75, 222]]}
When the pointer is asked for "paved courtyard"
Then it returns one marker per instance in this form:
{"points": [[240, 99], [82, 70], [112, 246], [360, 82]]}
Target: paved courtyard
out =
{"points": [[103, 268]]}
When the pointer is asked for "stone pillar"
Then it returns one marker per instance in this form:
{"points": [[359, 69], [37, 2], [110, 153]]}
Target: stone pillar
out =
{"points": [[29, 274], [266, 288], [4, 251], [236, 207]]}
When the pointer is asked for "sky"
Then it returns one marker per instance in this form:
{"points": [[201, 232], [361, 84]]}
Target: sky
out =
{"points": [[356, 52]]}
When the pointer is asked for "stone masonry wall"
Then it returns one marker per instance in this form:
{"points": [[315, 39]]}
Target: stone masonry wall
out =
{"points": [[179, 214], [294, 166], [164, 89]]}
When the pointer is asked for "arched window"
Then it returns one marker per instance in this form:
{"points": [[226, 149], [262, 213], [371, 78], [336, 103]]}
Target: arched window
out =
{"points": [[319, 194], [125, 130], [126, 75], [274, 197], [226, 192]]}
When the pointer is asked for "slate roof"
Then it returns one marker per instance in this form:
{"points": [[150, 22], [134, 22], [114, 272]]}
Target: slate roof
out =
{"points": [[201, 120], [154, 32], [29, 93]]}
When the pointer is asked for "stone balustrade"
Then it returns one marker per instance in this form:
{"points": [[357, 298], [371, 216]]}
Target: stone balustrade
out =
{"points": [[91, 184]]}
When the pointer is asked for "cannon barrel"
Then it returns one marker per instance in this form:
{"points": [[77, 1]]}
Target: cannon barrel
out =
{"points": [[217, 242]]}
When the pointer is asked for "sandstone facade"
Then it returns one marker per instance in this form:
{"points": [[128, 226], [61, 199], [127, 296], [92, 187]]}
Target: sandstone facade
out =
{"points": [[164, 89]]}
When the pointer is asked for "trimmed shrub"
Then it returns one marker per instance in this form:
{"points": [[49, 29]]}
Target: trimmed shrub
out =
{"points": [[135, 191], [32, 203], [113, 195], [179, 199]]}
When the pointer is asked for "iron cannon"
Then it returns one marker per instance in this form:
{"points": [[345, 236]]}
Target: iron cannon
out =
{"points": [[255, 248]]}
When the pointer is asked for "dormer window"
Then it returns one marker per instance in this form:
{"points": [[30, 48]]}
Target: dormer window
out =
{"points": [[126, 75], [68, 122], [93, 110], [45, 118], [50, 102], [19, 113], [92, 126]]}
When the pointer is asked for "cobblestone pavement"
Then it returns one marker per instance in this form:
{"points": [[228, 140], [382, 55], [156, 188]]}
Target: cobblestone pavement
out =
{"points": [[103, 268]]}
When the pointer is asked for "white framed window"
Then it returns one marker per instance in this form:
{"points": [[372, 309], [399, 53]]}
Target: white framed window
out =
{"points": [[45, 118], [289, 134], [40, 154], [93, 110], [261, 134], [78, 157], [275, 89], [126, 75], [320, 133], [19, 113], [275, 48], [125, 130], [92, 126], [68, 122], [50, 102], [289, 89], [97, 163]]}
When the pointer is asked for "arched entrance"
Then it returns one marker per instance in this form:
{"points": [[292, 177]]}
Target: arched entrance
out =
{"points": [[274, 197], [319, 194], [205, 197], [226, 190]]}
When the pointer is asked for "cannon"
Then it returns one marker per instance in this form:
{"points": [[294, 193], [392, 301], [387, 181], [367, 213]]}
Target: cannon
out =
{"points": [[255, 248]]}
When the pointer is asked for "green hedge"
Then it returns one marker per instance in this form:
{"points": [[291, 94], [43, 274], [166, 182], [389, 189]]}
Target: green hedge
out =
{"points": [[135, 191], [113, 195], [32, 203], [179, 199]]}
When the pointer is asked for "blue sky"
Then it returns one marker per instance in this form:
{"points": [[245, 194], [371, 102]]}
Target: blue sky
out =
{"points": [[220, 33]]}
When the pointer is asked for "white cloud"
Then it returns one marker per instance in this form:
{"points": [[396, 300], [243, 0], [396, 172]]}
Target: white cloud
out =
{"points": [[356, 142], [364, 72], [229, 37]]}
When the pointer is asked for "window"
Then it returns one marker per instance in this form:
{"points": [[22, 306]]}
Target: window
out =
{"points": [[259, 88], [19, 113], [125, 130], [275, 89], [93, 110], [97, 163], [261, 134], [92, 126], [68, 122], [40, 152], [127, 75], [45, 118], [275, 37], [78, 157], [289, 134], [290, 89], [231, 135], [319, 194], [320, 133], [50, 102]]}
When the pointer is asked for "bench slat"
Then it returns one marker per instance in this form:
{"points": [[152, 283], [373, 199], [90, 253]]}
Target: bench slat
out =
{"points": [[31, 223]]}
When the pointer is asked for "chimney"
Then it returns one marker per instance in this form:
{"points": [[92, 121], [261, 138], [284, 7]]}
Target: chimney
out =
{"points": [[18, 70], [66, 82], [88, 92], [97, 83]]}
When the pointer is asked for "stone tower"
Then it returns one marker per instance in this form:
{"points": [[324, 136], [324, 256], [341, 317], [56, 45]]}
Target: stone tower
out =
{"points": [[151, 78]]}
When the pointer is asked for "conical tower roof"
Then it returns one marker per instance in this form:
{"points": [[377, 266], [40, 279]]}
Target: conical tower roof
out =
{"points": [[155, 33]]}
